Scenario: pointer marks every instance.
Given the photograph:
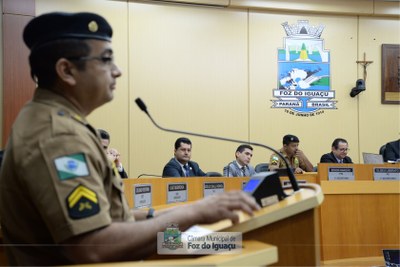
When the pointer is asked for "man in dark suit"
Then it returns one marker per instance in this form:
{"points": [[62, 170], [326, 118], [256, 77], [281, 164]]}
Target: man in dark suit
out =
{"points": [[340, 147], [392, 151], [180, 165]]}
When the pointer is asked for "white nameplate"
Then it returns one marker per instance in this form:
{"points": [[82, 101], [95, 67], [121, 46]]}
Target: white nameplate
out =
{"points": [[176, 192], [341, 173], [386, 174], [211, 188], [142, 195]]}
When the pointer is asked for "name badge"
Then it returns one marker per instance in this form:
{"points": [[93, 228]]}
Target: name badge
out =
{"points": [[142, 195], [341, 173], [176, 192], [211, 188], [381, 174]]}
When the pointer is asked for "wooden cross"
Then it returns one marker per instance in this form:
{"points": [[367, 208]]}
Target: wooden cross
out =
{"points": [[364, 63]]}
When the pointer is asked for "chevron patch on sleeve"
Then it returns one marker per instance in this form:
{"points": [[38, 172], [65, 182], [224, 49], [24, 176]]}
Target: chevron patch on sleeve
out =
{"points": [[82, 202]]}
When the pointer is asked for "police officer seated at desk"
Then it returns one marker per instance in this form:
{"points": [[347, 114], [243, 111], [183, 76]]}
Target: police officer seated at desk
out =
{"points": [[61, 202], [296, 157]]}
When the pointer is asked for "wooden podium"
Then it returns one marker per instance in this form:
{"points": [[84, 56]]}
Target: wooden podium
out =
{"points": [[291, 224], [254, 253]]}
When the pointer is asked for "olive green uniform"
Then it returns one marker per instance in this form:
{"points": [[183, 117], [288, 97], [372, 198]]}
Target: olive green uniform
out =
{"points": [[56, 182], [295, 162]]}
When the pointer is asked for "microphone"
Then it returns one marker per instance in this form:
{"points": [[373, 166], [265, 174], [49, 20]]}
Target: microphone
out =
{"points": [[290, 173]]}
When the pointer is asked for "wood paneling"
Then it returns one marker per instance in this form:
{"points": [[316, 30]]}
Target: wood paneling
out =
{"points": [[18, 86], [21, 7]]}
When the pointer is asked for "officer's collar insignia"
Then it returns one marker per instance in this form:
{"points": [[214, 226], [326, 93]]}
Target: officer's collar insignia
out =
{"points": [[82, 202], [71, 166]]}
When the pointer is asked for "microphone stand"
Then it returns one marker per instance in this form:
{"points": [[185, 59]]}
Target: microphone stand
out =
{"points": [[290, 173]]}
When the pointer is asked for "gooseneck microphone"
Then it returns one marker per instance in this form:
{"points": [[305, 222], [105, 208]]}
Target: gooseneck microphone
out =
{"points": [[290, 173]]}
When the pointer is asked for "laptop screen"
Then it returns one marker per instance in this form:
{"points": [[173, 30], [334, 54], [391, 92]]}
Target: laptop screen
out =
{"points": [[371, 158]]}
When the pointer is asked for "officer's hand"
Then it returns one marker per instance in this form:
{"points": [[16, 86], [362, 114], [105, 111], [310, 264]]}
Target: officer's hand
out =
{"points": [[223, 206]]}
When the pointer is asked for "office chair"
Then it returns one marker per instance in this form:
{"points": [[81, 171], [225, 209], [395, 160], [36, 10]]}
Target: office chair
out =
{"points": [[382, 151], [262, 167], [213, 174]]}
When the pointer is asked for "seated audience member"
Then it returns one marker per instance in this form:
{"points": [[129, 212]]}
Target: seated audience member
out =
{"points": [[181, 165], [392, 151], [71, 209], [112, 153], [340, 147], [241, 166], [296, 158]]}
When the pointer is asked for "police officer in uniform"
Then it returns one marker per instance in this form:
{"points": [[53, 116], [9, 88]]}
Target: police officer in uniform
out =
{"points": [[290, 150], [61, 199]]}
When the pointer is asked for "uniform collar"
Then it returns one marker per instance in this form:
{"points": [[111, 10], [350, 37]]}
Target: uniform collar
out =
{"points": [[49, 97]]}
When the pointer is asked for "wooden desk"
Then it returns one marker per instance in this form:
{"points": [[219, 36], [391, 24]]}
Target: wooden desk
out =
{"points": [[195, 186], [359, 218]]}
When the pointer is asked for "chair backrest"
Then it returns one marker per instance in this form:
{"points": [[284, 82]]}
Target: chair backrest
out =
{"points": [[382, 151], [262, 167], [213, 174], [1, 156]]}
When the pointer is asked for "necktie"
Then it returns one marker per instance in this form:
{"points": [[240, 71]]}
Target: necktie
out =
{"points": [[187, 171], [244, 171]]}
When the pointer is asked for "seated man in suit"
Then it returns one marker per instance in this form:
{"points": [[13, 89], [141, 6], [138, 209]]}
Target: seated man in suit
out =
{"points": [[340, 147], [112, 153], [392, 151], [296, 158], [180, 165], [241, 166]]}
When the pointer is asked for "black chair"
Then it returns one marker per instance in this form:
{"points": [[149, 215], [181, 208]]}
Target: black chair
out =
{"points": [[1, 156], [213, 174], [382, 151], [262, 167]]}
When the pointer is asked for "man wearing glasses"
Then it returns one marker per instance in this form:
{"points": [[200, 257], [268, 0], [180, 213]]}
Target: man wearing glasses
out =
{"points": [[61, 201], [340, 148]]}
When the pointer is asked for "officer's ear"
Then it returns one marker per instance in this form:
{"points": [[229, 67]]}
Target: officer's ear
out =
{"points": [[66, 71]]}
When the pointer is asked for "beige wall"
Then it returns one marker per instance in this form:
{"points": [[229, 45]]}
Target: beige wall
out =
{"points": [[212, 71]]}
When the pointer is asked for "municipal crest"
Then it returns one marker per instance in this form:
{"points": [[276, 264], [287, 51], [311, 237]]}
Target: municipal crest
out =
{"points": [[172, 237], [303, 84]]}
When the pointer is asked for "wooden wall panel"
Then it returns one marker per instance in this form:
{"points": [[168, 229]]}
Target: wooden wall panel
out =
{"points": [[21, 7], [18, 86]]}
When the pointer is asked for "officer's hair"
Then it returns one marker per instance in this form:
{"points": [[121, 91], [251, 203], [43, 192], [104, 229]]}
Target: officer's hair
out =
{"points": [[336, 142], [182, 140], [44, 57]]}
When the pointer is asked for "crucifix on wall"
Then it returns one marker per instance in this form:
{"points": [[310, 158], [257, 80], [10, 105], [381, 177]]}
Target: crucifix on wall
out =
{"points": [[365, 64]]}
